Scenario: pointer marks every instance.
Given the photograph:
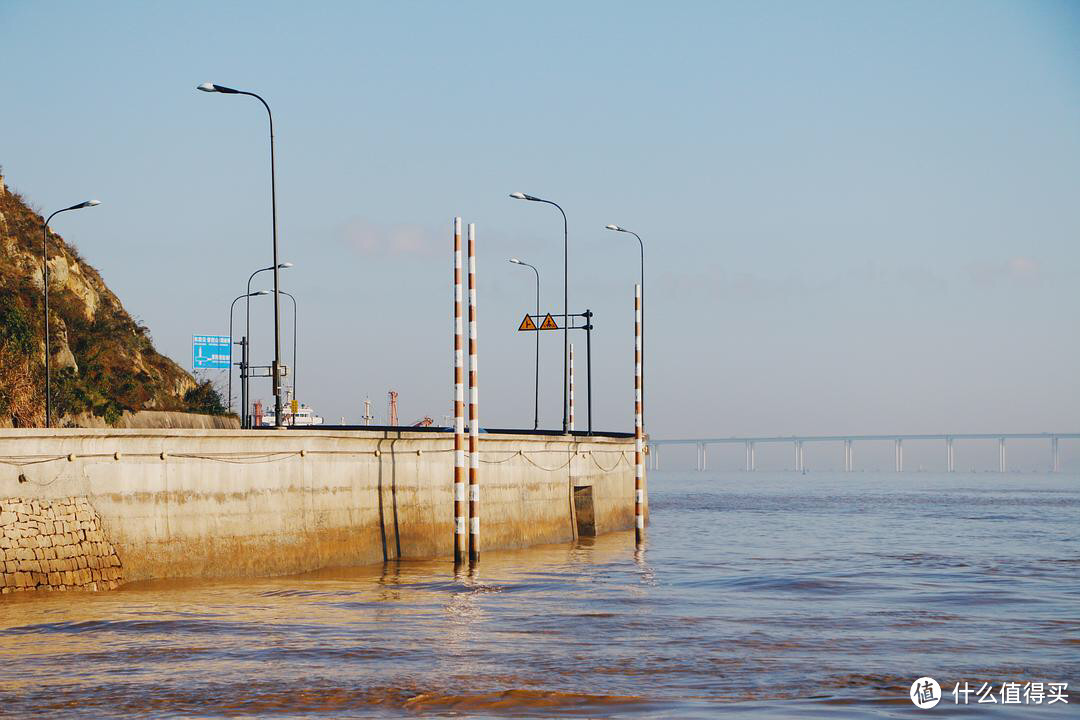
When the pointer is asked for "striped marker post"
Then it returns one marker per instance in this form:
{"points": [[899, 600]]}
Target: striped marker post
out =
{"points": [[459, 409], [474, 420], [571, 387], [639, 468]]}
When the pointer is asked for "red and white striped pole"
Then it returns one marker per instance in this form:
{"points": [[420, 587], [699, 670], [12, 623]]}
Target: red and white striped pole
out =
{"points": [[459, 409], [474, 420], [571, 387], [639, 434]]}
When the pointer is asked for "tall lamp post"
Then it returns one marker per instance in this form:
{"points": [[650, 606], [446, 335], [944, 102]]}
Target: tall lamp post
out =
{"points": [[45, 284], [536, 384], [211, 87], [566, 303], [247, 325], [641, 245], [294, 324], [231, 309]]}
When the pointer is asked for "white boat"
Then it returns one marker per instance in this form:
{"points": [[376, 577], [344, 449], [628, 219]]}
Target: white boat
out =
{"points": [[304, 416]]}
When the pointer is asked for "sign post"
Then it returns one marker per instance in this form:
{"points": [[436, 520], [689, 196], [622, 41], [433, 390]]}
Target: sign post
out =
{"points": [[547, 322], [211, 352]]}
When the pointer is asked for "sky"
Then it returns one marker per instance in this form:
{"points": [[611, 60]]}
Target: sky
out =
{"points": [[858, 217]]}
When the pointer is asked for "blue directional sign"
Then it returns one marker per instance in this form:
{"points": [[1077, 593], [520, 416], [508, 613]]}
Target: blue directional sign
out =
{"points": [[211, 352]]}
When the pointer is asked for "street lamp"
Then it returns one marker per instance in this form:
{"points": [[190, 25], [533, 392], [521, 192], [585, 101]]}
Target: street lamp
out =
{"points": [[641, 245], [536, 386], [294, 324], [211, 87], [231, 308], [45, 284], [566, 316], [247, 326]]}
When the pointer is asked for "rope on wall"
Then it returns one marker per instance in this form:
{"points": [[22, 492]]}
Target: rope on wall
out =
{"points": [[245, 458]]}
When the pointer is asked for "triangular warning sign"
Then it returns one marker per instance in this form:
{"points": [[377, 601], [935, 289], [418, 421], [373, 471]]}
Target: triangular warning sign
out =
{"points": [[549, 323], [527, 324]]}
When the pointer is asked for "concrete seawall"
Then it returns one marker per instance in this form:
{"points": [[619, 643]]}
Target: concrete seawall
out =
{"points": [[217, 503]]}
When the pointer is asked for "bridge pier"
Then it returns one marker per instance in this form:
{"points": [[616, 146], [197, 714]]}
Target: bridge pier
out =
{"points": [[899, 455], [950, 456], [799, 465], [1055, 458], [849, 456], [1001, 455], [751, 461]]}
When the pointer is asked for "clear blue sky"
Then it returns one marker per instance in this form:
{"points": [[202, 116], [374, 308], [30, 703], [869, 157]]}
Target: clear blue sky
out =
{"points": [[859, 216]]}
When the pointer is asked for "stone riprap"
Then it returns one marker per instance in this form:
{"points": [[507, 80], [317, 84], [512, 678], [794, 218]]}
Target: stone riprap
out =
{"points": [[54, 545]]}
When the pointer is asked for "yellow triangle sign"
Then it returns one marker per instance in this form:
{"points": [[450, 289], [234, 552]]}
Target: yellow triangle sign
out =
{"points": [[549, 323], [527, 324]]}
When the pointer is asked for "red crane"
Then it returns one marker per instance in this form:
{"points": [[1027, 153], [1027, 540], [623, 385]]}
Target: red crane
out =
{"points": [[391, 415]]}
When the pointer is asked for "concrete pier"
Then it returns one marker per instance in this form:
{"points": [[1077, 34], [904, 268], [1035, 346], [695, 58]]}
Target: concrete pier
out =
{"points": [[215, 503]]}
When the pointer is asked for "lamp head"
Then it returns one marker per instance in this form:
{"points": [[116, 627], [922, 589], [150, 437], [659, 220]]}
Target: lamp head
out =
{"points": [[260, 292], [284, 265], [211, 87], [616, 228], [523, 196], [86, 204], [515, 261]]}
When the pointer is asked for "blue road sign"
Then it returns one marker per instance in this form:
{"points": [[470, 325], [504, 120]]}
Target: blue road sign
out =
{"points": [[211, 352]]}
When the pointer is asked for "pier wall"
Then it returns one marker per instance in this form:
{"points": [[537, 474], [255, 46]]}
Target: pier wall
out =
{"points": [[218, 503]]}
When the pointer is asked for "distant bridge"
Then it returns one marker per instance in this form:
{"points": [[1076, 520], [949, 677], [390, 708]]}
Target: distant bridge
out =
{"points": [[848, 441]]}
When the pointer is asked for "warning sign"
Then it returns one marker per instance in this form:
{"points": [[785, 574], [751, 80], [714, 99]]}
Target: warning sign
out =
{"points": [[549, 323], [527, 324]]}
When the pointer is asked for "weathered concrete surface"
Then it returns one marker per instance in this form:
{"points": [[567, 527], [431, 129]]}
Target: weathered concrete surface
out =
{"points": [[157, 420], [214, 503]]}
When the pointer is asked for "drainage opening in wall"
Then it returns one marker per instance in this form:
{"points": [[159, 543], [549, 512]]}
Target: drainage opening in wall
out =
{"points": [[583, 510]]}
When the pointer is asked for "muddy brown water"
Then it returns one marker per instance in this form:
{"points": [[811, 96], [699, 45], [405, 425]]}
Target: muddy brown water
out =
{"points": [[756, 595]]}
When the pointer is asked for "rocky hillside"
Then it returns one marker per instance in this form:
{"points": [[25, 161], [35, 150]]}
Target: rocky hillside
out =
{"points": [[104, 364]]}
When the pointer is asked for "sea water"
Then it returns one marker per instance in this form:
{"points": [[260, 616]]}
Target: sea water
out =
{"points": [[767, 595]]}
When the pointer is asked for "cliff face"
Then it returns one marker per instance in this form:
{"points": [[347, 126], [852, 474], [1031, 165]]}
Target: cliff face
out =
{"points": [[104, 365]]}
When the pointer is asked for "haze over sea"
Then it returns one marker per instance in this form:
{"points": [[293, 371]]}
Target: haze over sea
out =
{"points": [[765, 594]]}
